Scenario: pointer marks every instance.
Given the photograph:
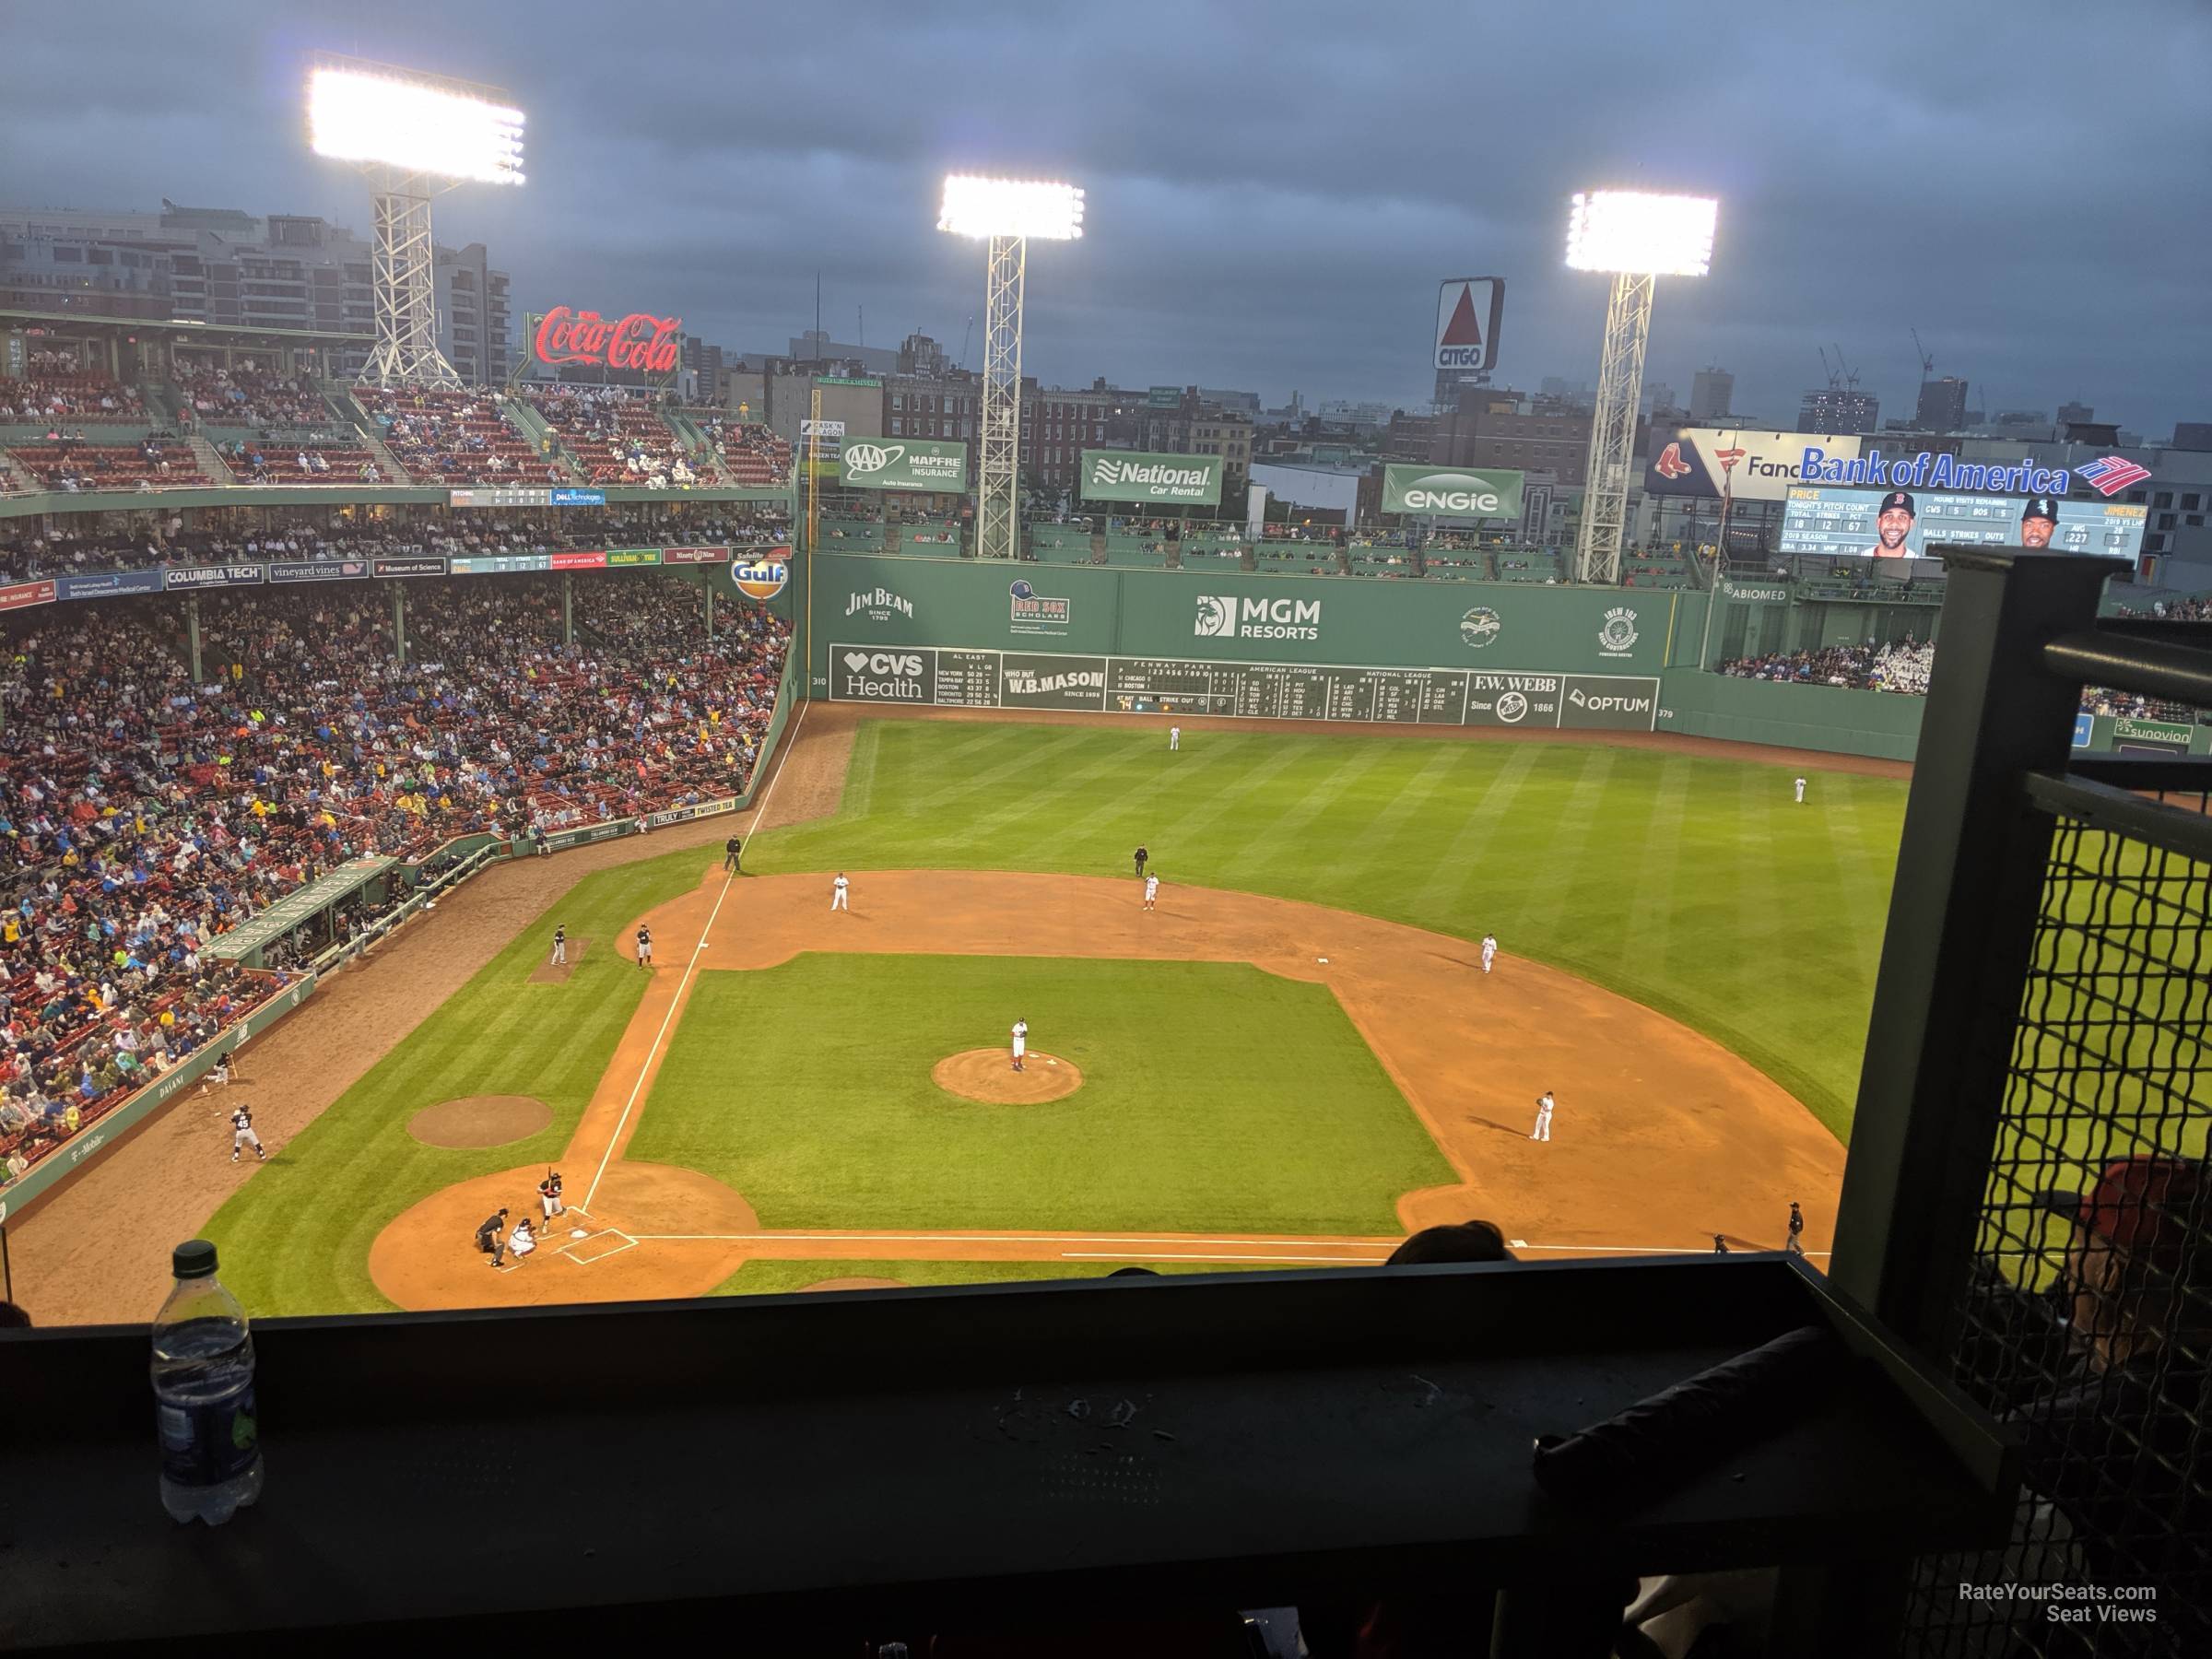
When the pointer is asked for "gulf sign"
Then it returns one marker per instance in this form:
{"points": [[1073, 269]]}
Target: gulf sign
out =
{"points": [[761, 578]]}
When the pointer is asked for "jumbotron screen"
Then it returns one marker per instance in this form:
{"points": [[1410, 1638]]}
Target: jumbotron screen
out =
{"points": [[1847, 522]]}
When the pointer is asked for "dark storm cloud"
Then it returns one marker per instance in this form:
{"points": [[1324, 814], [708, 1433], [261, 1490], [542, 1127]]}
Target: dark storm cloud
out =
{"points": [[1274, 189]]}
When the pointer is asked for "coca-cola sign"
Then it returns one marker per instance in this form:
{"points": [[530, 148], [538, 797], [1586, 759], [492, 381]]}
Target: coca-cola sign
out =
{"points": [[639, 341]]}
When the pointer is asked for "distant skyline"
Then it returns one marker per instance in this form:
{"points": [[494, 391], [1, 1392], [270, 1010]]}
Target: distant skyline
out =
{"points": [[1273, 192]]}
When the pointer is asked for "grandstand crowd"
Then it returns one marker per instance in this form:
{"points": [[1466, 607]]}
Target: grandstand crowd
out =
{"points": [[1901, 668], [143, 815]]}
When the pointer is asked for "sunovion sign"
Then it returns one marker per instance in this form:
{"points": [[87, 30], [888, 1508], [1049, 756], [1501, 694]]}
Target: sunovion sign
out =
{"points": [[1452, 491], [1926, 471], [639, 341]]}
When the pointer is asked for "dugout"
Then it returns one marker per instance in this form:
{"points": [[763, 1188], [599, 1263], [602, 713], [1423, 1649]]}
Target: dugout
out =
{"points": [[310, 917], [808, 1472]]}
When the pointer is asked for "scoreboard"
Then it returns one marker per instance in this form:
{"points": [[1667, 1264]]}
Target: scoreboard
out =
{"points": [[1843, 522], [950, 678]]}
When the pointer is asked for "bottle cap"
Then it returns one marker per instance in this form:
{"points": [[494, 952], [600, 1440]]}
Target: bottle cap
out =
{"points": [[194, 1259]]}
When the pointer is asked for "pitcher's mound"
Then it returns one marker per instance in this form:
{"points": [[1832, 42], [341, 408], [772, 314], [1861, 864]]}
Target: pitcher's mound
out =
{"points": [[988, 1075], [545, 973], [479, 1120]]}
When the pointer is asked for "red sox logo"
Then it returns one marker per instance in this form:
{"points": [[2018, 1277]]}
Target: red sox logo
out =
{"points": [[1670, 463]]}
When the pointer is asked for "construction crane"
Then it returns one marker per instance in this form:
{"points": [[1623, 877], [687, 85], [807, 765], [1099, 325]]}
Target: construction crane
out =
{"points": [[1927, 362], [1835, 377], [1851, 375]]}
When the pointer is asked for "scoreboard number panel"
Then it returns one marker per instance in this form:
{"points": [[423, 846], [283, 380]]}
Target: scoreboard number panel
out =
{"points": [[949, 677]]}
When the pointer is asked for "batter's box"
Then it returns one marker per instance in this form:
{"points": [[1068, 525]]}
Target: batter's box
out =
{"points": [[599, 1246]]}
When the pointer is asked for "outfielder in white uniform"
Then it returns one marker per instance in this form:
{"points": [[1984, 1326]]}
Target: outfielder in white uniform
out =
{"points": [[1543, 1129], [837, 893], [1021, 1042], [1801, 792], [1490, 950], [241, 1134], [1174, 737], [1151, 892], [560, 947]]}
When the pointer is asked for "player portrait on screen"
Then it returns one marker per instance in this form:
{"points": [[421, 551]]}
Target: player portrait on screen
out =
{"points": [[2038, 518], [1893, 525]]}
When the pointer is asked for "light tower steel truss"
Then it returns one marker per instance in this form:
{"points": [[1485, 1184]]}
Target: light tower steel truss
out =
{"points": [[998, 512], [1613, 429], [404, 288]]}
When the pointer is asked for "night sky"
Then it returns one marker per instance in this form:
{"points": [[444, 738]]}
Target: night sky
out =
{"points": [[1274, 189]]}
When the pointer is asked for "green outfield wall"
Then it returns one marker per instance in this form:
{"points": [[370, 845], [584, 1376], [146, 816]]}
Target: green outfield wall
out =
{"points": [[1827, 718], [961, 633]]}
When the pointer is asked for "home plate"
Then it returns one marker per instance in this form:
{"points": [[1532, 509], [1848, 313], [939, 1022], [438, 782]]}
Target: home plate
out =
{"points": [[578, 1232], [1323, 960]]}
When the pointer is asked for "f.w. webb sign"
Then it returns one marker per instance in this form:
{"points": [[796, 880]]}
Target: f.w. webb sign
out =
{"points": [[1133, 475]]}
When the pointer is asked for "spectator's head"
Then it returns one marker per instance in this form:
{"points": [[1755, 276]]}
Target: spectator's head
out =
{"points": [[1459, 1242], [2135, 1268]]}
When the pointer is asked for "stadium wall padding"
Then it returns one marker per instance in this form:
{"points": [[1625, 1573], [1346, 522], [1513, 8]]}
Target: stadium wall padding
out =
{"points": [[1828, 718]]}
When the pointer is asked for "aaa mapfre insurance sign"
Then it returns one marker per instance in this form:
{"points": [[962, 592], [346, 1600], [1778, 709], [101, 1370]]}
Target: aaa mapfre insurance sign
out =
{"points": [[647, 344]]}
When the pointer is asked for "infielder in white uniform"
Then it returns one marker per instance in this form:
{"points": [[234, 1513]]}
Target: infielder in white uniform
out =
{"points": [[1490, 950], [837, 893], [1151, 892], [241, 1134], [1174, 737], [1543, 1129], [1801, 792], [1021, 1042]]}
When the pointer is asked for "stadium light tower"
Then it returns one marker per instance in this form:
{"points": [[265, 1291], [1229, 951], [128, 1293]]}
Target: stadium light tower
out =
{"points": [[1005, 213], [1638, 237], [411, 133]]}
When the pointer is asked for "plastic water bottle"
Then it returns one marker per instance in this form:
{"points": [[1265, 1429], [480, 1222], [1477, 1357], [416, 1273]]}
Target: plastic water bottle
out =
{"points": [[204, 1395]]}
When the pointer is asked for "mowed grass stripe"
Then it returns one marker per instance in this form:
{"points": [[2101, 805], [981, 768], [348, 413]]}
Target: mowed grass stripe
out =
{"points": [[1546, 845]]}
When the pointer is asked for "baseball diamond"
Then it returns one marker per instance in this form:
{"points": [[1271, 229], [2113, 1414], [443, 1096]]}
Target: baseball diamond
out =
{"points": [[1297, 1058]]}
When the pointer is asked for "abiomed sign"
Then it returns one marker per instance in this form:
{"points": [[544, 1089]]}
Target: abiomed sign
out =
{"points": [[1132, 475], [1452, 492], [912, 465]]}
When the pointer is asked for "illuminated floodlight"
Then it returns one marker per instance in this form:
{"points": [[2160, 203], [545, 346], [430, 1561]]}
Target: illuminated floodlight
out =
{"points": [[1636, 231], [418, 125], [1023, 207]]}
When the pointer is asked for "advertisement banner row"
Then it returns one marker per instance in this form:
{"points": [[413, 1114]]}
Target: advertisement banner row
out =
{"points": [[171, 579], [949, 677]]}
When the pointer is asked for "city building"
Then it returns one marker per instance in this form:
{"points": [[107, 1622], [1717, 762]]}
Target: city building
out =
{"points": [[1942, 406], [1839, 409], [2075, 412], [1548, 438], [1712, 395], [816, 347], [224, 266], [1658, 398], [1057, 426], [2193, 435]]}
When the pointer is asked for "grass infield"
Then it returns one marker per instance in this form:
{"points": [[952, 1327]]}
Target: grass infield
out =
{"points": [[1215, 1097], [1693, 884]]}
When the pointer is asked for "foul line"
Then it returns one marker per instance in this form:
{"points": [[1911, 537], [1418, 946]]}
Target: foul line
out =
{"points": [[677, 1001], [1657, 1249]]}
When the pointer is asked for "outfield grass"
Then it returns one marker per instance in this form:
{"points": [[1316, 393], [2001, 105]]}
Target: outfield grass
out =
{"points": [[295, 1237], [1214, 1096], [1691, 884]]}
